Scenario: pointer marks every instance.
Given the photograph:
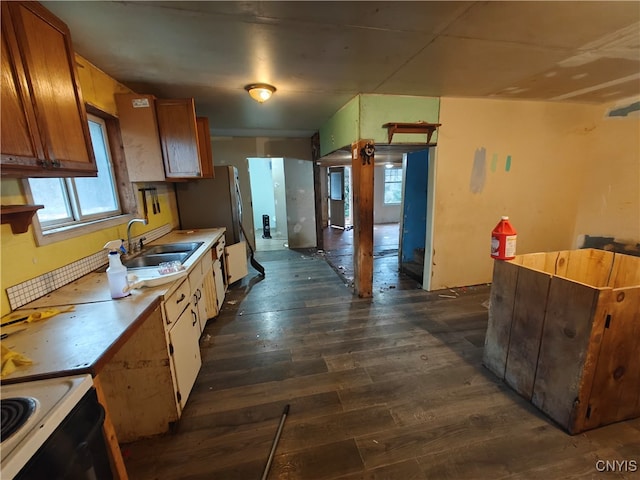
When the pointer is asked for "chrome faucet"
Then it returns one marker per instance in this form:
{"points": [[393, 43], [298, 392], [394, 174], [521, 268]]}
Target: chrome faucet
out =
{"points": [[132, 246]]}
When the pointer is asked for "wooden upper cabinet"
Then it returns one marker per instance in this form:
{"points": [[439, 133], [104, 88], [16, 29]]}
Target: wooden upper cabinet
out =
{"points": [[163, 140], [44, 123]]}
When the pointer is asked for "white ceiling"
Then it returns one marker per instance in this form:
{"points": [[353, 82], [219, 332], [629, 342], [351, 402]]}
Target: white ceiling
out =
{"points": [[321, 54]]}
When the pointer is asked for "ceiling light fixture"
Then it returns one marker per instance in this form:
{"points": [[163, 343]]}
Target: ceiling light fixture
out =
{"points": [[260, 92]]}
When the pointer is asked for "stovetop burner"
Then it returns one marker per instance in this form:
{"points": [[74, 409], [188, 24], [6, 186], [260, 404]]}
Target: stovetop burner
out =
{"points": [[14, 413]]}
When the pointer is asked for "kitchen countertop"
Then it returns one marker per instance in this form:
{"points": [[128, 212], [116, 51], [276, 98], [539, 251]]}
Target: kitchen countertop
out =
{"points": [[82, 340]]}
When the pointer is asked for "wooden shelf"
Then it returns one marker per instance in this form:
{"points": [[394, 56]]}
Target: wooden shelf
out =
{"points": [[19, 216], [418, 127]]}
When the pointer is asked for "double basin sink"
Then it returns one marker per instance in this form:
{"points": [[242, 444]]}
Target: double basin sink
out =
{"points": [[155, 255]]}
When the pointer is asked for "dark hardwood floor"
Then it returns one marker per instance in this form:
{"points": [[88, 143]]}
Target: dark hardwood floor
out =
{"points": [[386, 388]]}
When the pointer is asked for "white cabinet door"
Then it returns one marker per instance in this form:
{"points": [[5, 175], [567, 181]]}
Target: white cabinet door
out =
{"points": [[236, 261], [219, 284], [200, 300], [184, 336]]}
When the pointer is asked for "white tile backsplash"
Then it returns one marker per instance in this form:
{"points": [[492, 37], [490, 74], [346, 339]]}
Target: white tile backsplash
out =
{"points": [[32, 289]]}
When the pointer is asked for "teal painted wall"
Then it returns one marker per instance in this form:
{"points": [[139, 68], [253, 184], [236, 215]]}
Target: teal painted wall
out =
{"points": [[363, 116], [376, 110], [342, 128]]}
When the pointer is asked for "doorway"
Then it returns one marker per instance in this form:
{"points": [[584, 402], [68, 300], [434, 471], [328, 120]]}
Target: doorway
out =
{"points": [[269, 203], [338, 241], [339, 179]]}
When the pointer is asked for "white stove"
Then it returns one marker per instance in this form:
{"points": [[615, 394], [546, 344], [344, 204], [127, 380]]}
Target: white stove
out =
{"points": [[51, 401]]}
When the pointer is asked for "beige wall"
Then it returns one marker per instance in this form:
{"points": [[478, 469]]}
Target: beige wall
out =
{"points": [[610, 195], [560, 153]]}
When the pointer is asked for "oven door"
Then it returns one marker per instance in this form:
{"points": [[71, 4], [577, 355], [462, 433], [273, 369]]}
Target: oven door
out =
{"points": [[76, 449]]}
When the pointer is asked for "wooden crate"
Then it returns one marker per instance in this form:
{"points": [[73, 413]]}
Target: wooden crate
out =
{"points": [[564, 332]]}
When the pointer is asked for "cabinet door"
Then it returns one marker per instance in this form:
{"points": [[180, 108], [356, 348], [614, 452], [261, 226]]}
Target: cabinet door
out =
{"points": [[210, 293], [219, 283], [204, 140], [236, 261], [201, 305], [184, 337], [20, 137], [44, 47], [140, 139], [179, 138]]}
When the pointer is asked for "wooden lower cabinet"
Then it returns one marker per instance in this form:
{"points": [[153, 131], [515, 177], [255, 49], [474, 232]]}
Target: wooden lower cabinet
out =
{"points": [[146, 384], [137, 383]]}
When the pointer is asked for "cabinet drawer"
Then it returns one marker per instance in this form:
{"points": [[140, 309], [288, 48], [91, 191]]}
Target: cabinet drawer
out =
{"points": [[177, 302]]}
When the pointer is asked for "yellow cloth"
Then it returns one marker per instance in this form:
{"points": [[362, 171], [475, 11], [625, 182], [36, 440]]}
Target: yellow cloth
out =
{"points": [[11, 360], [48, 313], [41, 314]]}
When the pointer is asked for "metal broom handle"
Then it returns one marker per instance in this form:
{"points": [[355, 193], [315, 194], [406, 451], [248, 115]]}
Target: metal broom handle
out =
{"points": [[265, 474]]}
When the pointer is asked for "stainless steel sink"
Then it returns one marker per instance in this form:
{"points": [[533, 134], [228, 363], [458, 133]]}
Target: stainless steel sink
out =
{"points": [[157, 254], [172, 248]]}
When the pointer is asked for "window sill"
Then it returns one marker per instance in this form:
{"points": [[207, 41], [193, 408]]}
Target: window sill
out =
{"points": [[72, 231]]}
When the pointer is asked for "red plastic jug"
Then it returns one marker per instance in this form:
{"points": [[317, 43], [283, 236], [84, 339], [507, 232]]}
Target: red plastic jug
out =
{"points": [[503, 240]]}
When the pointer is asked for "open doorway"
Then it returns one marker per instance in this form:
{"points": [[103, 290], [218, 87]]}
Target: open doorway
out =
{"points": [[338, 241], [339, 179], [268, 195]]}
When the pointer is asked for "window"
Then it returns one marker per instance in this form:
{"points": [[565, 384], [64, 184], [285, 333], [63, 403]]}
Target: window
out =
{"points": [[392, 186], [76, 206], [75, 200]]}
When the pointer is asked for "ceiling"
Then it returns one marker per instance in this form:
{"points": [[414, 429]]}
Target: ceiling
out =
{"points": [[319, 55]]}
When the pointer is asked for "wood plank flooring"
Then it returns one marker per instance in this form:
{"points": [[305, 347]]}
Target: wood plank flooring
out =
{"points": [[386, 388]]}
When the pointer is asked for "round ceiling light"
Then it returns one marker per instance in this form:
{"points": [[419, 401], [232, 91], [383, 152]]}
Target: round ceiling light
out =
{"points": [[260, 92]]}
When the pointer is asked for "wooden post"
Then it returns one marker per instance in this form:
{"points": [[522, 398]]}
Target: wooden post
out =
{"points": [[362, 168]]}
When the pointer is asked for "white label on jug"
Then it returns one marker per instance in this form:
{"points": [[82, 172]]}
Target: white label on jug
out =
{"points": [[495, 246], [510, 247]]}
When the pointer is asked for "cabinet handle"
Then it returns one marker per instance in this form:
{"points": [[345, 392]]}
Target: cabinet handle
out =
{"points": [[44, 164], [198, 294], [182, 297], [195, 318], [55, 163]]}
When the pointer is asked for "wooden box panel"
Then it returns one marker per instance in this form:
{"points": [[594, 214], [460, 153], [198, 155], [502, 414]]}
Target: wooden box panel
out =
{"points": [[526, 330], [564, 332], [503, 296]]}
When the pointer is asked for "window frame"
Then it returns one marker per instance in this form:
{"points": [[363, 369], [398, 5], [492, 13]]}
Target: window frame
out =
{"points": [[124, 192], [385, 182]]}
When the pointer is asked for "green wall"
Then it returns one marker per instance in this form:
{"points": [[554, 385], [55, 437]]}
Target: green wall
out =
{"points": [[363, 116], [342, 128]]}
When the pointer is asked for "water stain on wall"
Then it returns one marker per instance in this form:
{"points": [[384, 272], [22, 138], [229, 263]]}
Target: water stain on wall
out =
{"points": [[479, 170]]}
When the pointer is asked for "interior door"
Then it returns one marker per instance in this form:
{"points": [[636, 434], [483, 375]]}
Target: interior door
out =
{"points": [[336, 197]]}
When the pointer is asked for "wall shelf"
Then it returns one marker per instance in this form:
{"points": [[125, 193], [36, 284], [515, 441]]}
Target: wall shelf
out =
{"points": [[18, 216], [418, 127]]}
